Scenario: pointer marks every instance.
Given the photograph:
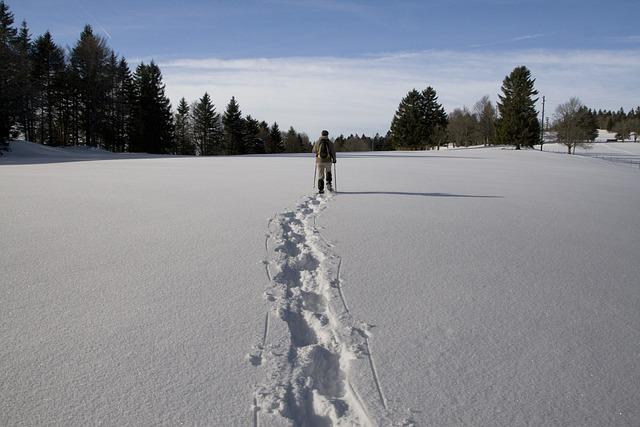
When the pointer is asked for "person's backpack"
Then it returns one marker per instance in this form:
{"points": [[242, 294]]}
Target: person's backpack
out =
{"points": [[324, 153]]}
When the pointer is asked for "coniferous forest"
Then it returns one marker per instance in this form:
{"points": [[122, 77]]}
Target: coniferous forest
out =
{"points": [[88, 95]]}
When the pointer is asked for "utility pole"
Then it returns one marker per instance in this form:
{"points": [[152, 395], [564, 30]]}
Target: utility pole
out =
{"points": [[542, 127]]}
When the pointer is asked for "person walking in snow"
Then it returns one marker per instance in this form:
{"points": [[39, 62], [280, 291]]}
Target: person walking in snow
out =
{"points": [[325, 156]]}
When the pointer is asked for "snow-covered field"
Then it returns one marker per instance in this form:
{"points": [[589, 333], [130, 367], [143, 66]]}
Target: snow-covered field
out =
{"points": [[481, 287]]}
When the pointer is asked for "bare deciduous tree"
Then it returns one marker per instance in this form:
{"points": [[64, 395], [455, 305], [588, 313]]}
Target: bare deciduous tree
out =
{"points": [[486, 116], [575, 125]]}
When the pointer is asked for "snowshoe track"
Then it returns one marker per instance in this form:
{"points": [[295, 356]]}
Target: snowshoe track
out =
{"points": [[316, 343]]}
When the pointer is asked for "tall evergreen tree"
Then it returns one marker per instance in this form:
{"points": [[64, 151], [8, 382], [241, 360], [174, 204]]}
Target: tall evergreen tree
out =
{"points": [[233, 132], [518, 123], [251, 136], [108, 131], [207, 128], [263, 135], [123, 93], [419, 122], [183, 135], [9, 89], [48, 77], [26, 113], [89, 62], [407, 127], [274, 140], [434, 117], [152, 120]]}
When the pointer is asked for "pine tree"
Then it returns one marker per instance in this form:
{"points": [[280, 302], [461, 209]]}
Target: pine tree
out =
{"points": [[407, 127], [152, 120], [419, 121], [122, 97], [9, 89], [48, 77], [291, 142], [183, 135], [251, 136], [108, 131], [518, 123], [89, 61], [434, 117], [274, 141], [207, 129], [26, 113], [233, 132], [263, 135]]}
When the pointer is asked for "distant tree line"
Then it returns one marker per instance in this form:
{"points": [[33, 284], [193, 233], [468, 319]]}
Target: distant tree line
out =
{"points": [[89, 96], [421, 123], [623, 124]]}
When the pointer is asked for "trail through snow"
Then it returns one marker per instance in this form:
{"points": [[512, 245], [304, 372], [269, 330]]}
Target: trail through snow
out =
{"points": [[312, 346]]}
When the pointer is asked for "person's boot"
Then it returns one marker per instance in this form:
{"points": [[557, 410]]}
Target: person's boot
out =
{"points": [[320, 186], [329, 187]]}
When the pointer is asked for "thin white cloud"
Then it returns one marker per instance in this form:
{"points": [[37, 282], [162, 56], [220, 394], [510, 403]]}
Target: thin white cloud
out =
{"points": [[633, 39], [361, 94], [332, 5], [507, 41], [93, 19]]}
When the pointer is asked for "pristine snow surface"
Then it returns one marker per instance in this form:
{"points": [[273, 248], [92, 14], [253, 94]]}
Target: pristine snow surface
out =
{"points": [[481, 286]]}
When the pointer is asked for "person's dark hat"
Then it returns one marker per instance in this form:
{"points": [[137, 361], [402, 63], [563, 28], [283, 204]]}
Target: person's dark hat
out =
{"points": [[325, 133]]}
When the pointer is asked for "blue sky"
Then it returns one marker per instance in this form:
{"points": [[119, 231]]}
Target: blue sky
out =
{"points": [[331, 51]]}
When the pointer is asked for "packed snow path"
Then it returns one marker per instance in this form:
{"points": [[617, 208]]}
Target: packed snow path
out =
{"points": [[311, 346]]}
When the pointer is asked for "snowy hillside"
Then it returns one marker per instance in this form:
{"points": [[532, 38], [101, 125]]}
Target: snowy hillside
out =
{"points": [[481, 287]]}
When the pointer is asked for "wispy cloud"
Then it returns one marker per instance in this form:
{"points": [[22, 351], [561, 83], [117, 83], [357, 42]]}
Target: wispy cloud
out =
{"points": [[508, 41], [361, 94], [331, 5], [631, 39], [93, 19]]}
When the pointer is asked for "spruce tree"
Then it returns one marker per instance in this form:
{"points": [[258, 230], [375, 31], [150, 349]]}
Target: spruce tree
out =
{"points": [[407, 127], [233, 132], [207, 129], [9, 89], [152, 120], [108, 130], [183, 135], [89, 60], [274, 141], [251, 136], [291, 142], [48, 77], [434, 117], [122, 97], [419, 121], [26, 113], [263, 135], [518, 123]]}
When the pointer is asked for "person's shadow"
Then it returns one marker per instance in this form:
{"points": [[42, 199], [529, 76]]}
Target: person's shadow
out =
{"points": [[405, 193]]}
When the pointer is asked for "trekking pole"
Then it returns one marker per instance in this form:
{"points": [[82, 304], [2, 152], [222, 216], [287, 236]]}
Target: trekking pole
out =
{"points": [[315, 171], [335, 175]]}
